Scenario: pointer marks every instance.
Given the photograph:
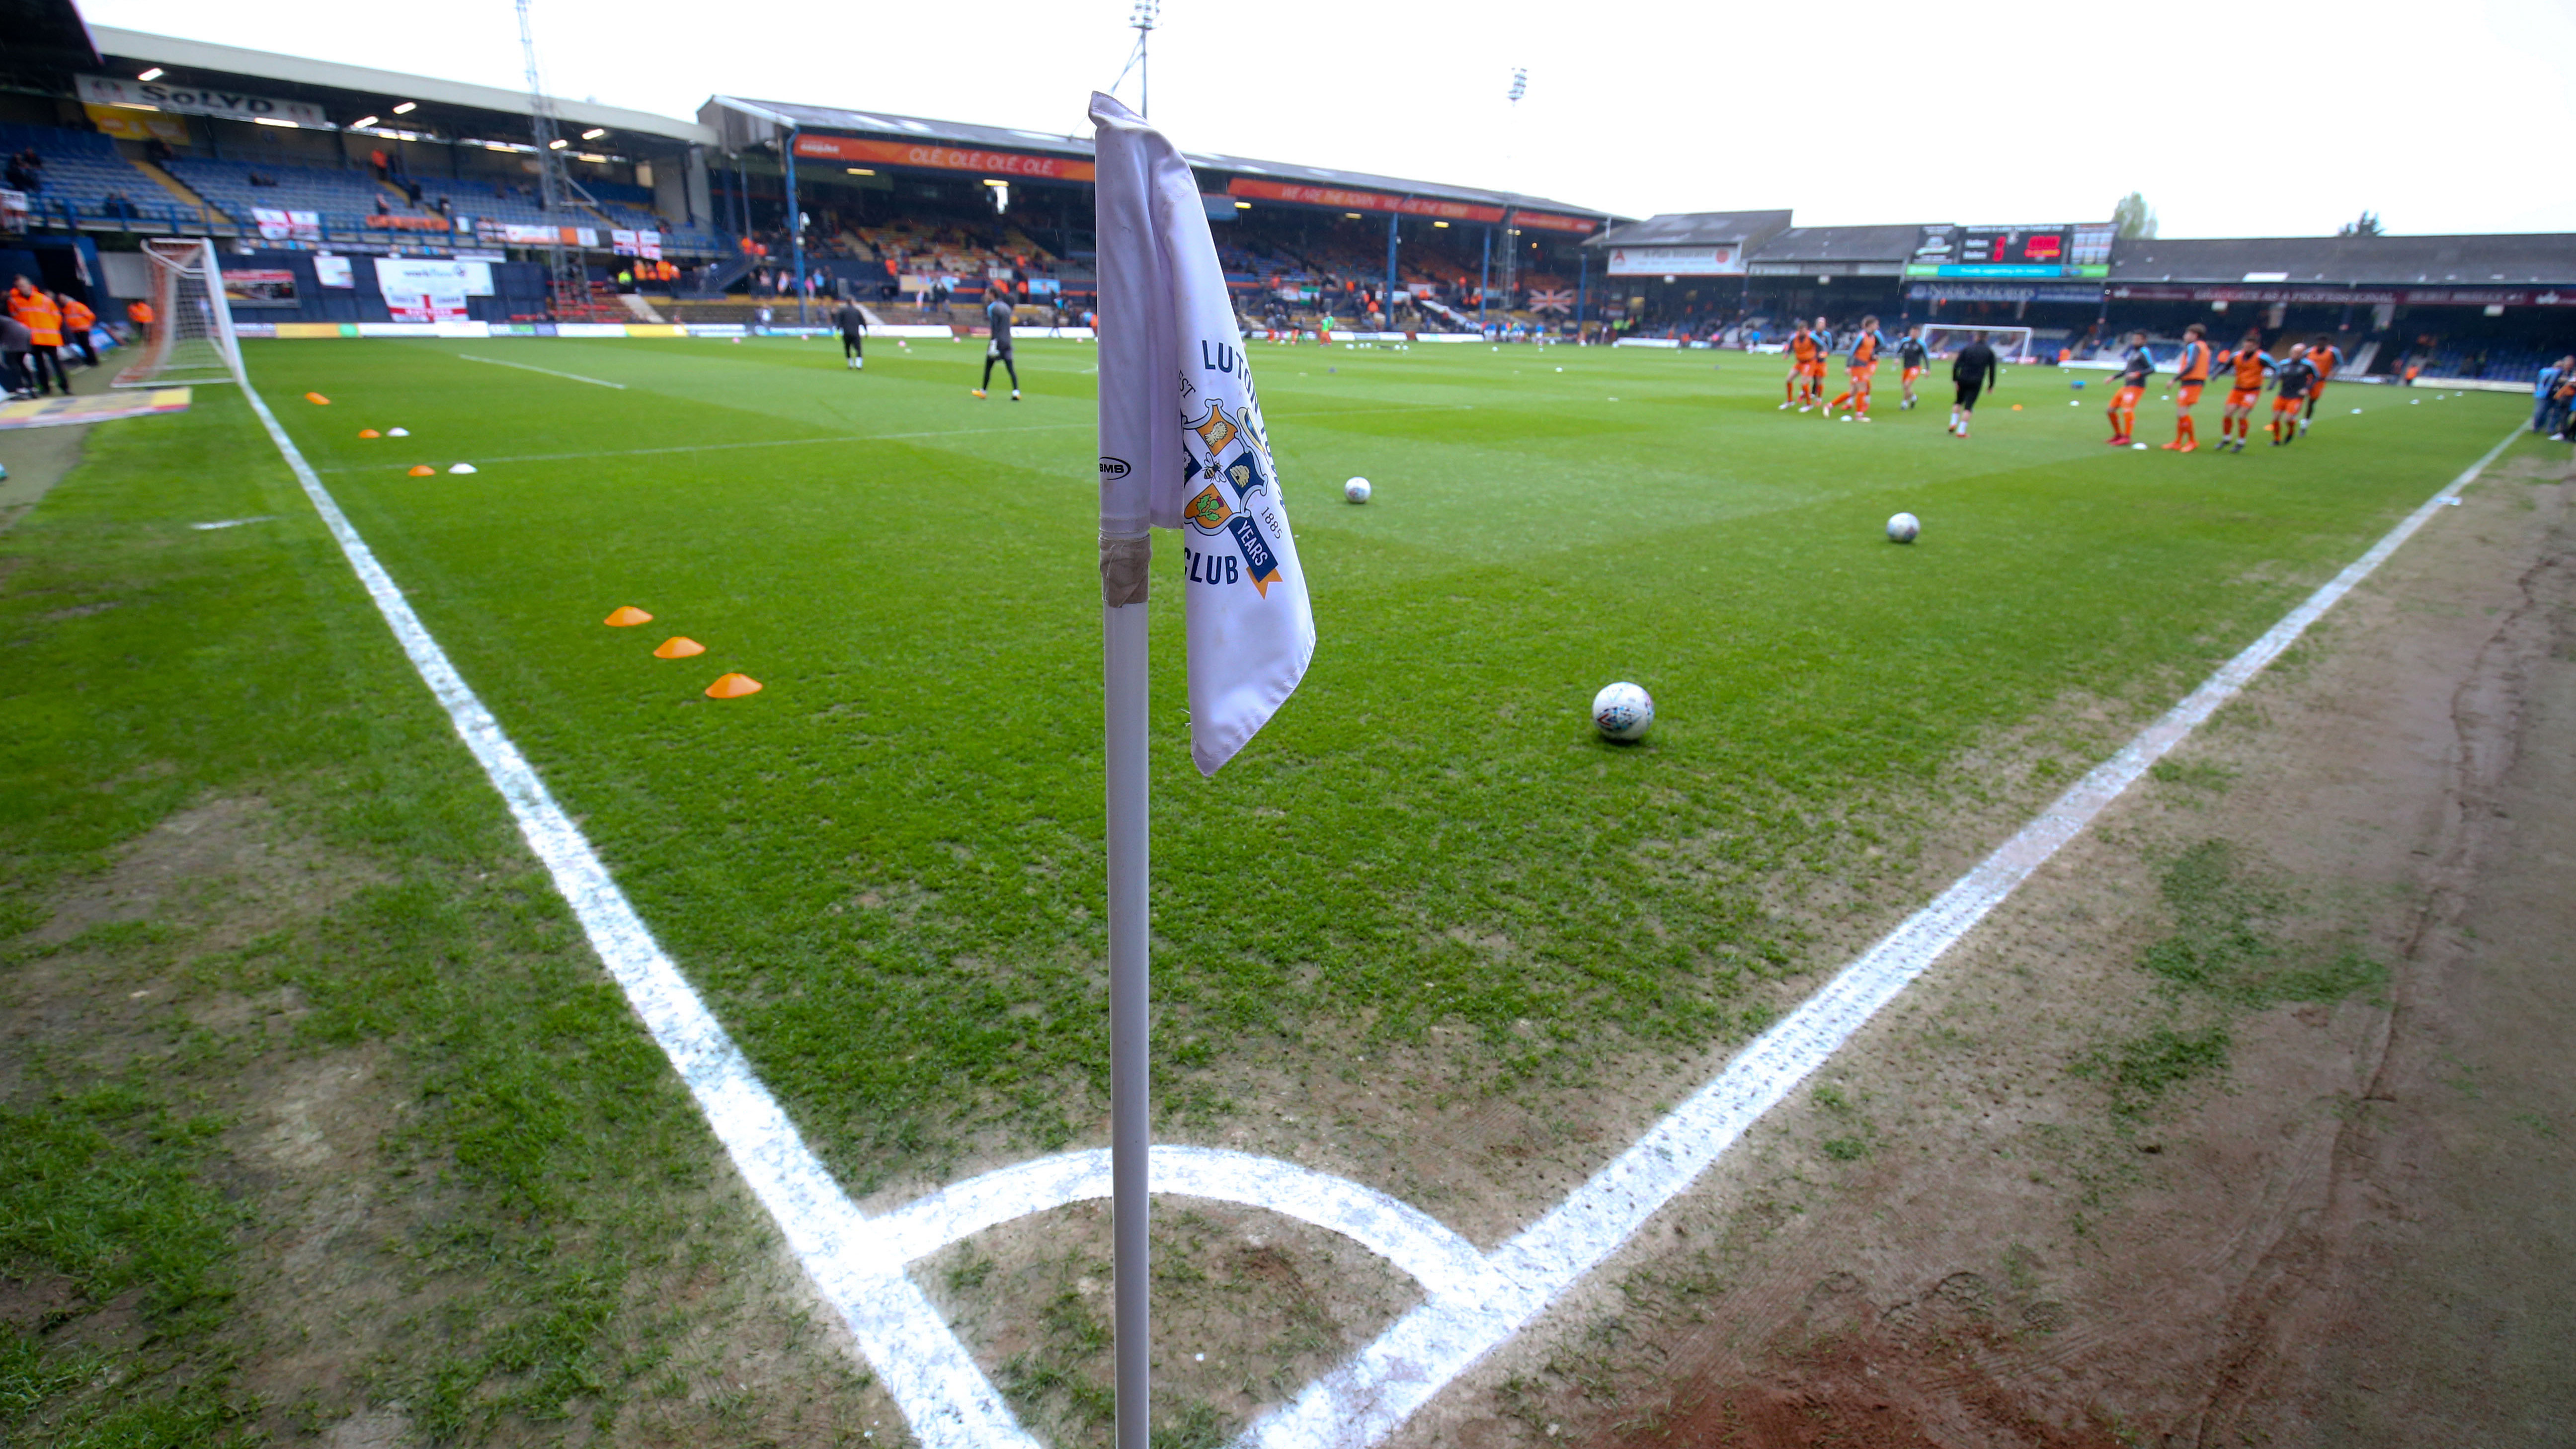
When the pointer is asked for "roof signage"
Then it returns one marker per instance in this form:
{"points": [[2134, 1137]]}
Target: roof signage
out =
{"points": [[1344, 198], [1016, 164], [102, 90]]}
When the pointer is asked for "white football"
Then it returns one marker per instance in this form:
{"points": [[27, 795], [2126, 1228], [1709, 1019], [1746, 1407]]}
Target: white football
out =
{"points": [[1903, 527], [1356, 490], [1622, 711]]}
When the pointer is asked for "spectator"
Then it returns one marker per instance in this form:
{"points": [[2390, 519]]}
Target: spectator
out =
{"points": [[376, 162], [158, 152], [26, 171], [15, 347], [78, 319], [35, 310]]}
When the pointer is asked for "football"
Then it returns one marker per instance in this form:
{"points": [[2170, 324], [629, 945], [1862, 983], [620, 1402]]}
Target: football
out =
{"points": [[1622, 711], [1356, 490], [1903, 527]]}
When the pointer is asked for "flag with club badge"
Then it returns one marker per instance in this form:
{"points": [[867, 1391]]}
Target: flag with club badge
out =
{"points": [[1182, 441]]}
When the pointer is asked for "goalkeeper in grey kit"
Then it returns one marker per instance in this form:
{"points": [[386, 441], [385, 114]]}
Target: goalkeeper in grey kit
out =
{"points": [[997, 313]]}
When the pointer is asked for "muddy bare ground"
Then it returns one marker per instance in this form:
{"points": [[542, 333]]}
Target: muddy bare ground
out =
{"points": [[2246, 1122]]}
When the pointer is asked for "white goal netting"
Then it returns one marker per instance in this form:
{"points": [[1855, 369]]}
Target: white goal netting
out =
{"points": [[190, 337], [2011, 344]]}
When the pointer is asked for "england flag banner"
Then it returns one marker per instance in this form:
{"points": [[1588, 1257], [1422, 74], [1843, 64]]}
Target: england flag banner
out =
{"points": [[1183, 445]]}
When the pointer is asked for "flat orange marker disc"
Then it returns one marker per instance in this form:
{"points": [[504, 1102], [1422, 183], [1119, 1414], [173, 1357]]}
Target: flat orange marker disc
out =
{"points": [[626, 616], [2016, 407], [369, 433], [317, 398], [423, 470], [733, 686], [679, 646]]}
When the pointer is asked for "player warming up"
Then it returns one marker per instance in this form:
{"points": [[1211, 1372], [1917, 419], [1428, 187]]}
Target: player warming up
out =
{"points": [[2326, 358], [2191, 373], [1911, 355], [998, 313], [854, 330], [1975, 370], [1803, 349], [2290, 383], [2134, 372], [2250, 365], [1866, 345]]}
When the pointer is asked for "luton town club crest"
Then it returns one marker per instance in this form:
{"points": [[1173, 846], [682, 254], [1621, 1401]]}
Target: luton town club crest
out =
{"points": [[1236, 506]]}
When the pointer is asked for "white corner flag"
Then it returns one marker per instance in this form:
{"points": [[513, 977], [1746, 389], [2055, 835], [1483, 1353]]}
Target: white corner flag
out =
{"points": [[1182, 443]]}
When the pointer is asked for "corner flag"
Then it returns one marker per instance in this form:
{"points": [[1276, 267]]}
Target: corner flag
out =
{"points": [[1182, 446], [1182, 442]]}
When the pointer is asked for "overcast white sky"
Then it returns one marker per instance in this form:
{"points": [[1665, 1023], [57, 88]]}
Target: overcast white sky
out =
{"points": [[2235, 120]]}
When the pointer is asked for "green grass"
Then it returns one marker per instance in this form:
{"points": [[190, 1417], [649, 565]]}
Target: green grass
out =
{"points": [[885, 869]]}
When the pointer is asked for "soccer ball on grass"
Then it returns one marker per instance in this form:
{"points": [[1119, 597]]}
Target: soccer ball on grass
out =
{"points": [[1622, 711], [1903, 528], [1356, 490]]}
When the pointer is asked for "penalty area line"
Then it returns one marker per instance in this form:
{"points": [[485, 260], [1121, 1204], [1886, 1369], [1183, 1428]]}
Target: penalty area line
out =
{"points": [[548, 371], [1369, 1397], [950, 1404]]}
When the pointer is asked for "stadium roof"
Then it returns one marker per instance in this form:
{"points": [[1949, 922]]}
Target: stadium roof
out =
{"points": [[1696, 228], [444, 104], [962, 133], [1836, 251], [2536, 257], [44, 35]]}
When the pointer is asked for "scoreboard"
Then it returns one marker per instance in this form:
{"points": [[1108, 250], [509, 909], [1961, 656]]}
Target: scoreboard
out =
{"points": [[2060, 250]]}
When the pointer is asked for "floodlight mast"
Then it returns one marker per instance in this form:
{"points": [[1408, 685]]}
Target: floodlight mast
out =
{"points": [[1142, 18], [1511, 214], [564, 278]]}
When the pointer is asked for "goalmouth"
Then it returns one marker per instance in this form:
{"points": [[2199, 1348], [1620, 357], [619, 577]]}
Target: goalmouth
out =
{"points": [[190, 337], [2011, 344]]}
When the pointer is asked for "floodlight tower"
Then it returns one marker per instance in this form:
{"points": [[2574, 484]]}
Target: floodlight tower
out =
{"points": [[1511, 137], [554, 189], [1142, 18]]}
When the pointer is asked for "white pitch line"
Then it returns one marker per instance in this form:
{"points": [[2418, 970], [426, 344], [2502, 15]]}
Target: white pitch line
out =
{"points": [[1363, 1401], [548, 371], [947, 1398]]}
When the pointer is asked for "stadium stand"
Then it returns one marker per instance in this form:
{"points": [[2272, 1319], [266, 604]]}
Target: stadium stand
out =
{"points": [[85, 178]]}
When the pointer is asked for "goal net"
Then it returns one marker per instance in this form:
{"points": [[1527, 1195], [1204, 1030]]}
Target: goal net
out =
{"points": [[190, 337], [2011, 344]]}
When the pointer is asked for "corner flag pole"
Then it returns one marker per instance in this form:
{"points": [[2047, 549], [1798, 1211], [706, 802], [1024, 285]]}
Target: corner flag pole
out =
{"points": [[1182, 446]]}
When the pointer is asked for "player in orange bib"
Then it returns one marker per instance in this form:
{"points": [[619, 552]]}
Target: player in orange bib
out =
{"points": [[2191, 374], [2325, 357], [1863, 367], [2250, 365], [1806, 354]]}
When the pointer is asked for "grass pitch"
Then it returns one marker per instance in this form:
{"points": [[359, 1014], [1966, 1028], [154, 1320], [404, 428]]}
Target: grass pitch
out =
{"points": [[884, 870]]}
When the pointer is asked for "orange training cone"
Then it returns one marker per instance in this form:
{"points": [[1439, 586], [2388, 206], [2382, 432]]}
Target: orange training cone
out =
{"points": [[733, 686], [679, 646], [422, 470], [317, 398], [627, 615], [369, 433]]}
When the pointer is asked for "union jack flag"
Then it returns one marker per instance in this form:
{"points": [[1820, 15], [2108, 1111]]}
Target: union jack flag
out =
{"points": [[1551, 301]]}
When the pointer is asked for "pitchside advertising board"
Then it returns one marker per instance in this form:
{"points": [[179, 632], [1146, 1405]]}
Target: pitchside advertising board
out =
{"points": [[421, 289], [2057, 250]]}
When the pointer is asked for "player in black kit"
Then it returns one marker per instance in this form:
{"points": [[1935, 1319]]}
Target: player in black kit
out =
{"points": [[854, 330], [1910, 355], [997, 312], [2290, 383], [1975, 370]]}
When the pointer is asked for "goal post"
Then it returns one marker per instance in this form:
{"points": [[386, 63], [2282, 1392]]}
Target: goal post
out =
{"points": [[190, 337], [2011, 344]]}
